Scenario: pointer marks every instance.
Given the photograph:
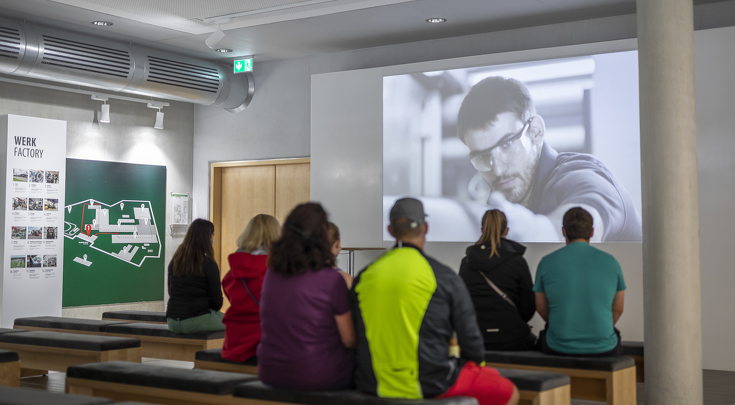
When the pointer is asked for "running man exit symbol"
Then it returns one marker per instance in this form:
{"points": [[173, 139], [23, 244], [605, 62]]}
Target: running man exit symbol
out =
{"points": [[243, 65]]}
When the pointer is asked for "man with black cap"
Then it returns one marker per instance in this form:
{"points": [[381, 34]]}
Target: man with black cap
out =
{"points": [[406, 306]]}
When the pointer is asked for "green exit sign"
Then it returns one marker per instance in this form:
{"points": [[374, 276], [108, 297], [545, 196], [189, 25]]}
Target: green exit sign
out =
{"points": [[243, 65]]}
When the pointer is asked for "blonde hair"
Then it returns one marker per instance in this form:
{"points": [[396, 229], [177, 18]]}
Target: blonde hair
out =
{"points": [[494, 224], [261, 231]]}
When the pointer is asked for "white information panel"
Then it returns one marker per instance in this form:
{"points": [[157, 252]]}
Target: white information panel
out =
{"points": [[34, 170]]}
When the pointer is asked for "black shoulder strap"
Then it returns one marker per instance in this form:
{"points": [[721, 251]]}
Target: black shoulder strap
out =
{"points": [[249, 293]]}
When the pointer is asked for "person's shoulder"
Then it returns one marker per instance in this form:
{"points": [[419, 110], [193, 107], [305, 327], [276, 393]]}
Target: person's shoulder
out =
{"points": [[603, 256]]}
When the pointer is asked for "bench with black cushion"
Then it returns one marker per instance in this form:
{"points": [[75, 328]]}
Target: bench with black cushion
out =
{"points": [[60, 324], [9, 368], [536, 388], [4, 331], [610, 379], [635, 351], [41, 350], [160, 343], [123, 381], [25, 396], [135, 316], [212, 360]]}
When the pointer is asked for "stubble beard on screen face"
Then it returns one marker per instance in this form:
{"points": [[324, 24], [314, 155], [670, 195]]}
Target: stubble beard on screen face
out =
{"points": [[523, 178]]}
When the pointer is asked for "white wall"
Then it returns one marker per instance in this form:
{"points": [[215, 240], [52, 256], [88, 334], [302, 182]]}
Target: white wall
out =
{"points": [[129, 138]]}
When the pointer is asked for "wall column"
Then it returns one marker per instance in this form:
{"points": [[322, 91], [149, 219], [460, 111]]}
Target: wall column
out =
{"points": [[673, 332]]}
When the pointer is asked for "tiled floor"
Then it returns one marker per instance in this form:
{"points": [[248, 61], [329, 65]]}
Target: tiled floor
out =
{"points": [[719, 386]]}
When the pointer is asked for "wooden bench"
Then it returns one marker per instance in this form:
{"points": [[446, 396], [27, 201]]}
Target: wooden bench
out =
{"points": [[212, 360], [135, 316], [124, 381], [160, 343], [634, 350], [609, 379], [25, 396], [9, 368], [156, 340], [42, 351], [166, 385]]}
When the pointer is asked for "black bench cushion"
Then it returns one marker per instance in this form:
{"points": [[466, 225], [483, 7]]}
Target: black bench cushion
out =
{"points": [[139, 316], [4, 331], [215, 355], [258, 390], [25, 396], [70, 341], [632, 348], [535, 381], [6, 356], [55, 322], [533, 358], [147, 375], [153, 329]]}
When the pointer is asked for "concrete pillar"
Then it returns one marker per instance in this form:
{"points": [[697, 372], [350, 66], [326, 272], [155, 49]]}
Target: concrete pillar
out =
{"points": [[673, 325]]}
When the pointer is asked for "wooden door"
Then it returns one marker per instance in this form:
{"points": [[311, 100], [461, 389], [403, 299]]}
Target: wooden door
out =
{"points": [[246, 192], [292, 188]]}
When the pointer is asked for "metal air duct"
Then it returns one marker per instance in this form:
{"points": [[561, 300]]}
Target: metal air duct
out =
{"points": [[44, 53]]}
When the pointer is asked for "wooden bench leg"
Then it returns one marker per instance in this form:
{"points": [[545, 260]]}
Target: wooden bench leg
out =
{"points": [[556, 396], [10, 374], [30, 372], [621, 388]]}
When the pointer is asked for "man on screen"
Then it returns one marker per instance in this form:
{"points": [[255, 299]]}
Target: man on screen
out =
{"points": [[531, 182]]}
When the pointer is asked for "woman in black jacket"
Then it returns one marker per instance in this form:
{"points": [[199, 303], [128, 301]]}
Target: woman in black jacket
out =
{"points": [[194, 289], [499, 282]]}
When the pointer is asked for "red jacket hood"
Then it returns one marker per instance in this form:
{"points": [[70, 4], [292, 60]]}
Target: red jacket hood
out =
{"points": [[245, 265]]}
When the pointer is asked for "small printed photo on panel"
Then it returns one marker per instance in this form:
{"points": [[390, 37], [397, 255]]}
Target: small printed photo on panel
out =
{"points": [[52, 176], [49, 260], [35, 204], [20, 175], [18, 232], [35, 232], [52, 204], [51, 232], [20, 204], [33, 261], [17, 262], [36, 176]]}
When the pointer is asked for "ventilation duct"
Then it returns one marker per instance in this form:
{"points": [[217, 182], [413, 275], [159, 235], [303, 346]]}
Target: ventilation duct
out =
{"points": [[48, 54]]}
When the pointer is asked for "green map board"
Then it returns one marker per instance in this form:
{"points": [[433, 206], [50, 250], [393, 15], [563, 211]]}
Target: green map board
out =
{"points": [[114, 224]]}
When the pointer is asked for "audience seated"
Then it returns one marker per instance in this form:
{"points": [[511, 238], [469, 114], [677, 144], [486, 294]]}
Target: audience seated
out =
{"points": [[406, 307], [195, 294], [500, 285], [305, 315], [336, 246], [579, 293], [242, 286]]}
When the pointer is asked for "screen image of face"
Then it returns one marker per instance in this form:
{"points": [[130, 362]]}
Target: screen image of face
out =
{"points": [[531, 139]]}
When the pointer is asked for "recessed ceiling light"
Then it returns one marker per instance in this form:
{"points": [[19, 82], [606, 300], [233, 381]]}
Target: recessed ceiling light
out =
{"points": [[223, 50], [436, 20], [102, 23]]}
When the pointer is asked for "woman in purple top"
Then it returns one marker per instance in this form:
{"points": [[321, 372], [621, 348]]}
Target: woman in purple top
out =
{"points": [[305, 314]]}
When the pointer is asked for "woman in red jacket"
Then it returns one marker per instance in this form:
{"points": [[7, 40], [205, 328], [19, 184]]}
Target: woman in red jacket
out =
{"points": [[242, 286]]}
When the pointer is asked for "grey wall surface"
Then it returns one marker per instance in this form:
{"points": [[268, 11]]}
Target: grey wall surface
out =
{"points": [[129, 138]]}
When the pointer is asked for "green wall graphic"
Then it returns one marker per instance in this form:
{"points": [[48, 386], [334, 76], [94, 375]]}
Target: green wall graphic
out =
{"points": [[114, 224]]}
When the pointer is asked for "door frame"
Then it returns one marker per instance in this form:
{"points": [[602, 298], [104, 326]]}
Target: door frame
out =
{"points": [[215, 191]]}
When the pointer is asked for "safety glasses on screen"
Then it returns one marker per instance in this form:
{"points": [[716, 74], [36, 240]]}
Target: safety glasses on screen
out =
{"points": [[505, 151]]}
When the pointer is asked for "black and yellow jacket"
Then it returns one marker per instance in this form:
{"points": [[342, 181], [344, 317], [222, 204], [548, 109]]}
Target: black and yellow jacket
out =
{"points": [[406, 306]]}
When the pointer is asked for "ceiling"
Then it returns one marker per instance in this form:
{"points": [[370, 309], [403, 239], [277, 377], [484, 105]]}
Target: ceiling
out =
{"points": [[279, 29]]}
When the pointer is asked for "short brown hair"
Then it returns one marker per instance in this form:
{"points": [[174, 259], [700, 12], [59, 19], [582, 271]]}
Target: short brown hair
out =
{"points": [[332, 233], [577, 223], [402, 229]]}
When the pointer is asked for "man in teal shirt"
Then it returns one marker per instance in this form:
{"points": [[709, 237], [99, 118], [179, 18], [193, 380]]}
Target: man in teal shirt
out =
{"points": [[580, 292]]}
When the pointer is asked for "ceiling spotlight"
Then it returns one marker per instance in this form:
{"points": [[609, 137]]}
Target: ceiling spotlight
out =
{"points": [[223, 50], [105, 116], [436, 20], [102, 23], [159, 120]]}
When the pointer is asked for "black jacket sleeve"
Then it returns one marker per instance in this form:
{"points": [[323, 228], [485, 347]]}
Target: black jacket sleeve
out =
{"points": [[526, 296], [214, 285], [464, 320]]}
